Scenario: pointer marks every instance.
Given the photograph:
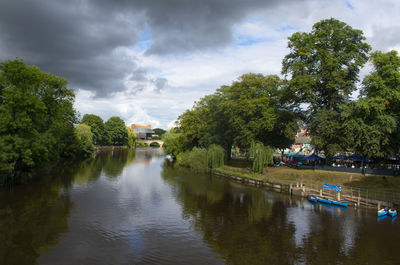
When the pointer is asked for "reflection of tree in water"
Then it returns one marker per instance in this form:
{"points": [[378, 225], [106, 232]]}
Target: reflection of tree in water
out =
{"points": [[238, 223], [244, 227], [32, 218], [115, 161]]}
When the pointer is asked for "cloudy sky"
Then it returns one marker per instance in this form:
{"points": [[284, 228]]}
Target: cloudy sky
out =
{"points": [[148, 60]]}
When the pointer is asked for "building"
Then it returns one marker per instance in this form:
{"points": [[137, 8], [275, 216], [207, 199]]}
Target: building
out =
{"points": [[142, 132]]}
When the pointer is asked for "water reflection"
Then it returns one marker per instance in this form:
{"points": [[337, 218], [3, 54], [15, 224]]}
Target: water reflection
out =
{"points": [[126, 207], [32, 218], [252, 226]]}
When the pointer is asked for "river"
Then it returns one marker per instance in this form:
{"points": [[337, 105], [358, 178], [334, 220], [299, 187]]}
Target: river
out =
{"points": [[127, 207]]}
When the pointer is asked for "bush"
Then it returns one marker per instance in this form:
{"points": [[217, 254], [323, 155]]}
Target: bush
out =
{"points": [[196, 159]]}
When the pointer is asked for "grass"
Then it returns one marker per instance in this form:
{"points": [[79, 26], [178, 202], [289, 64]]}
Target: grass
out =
{"points": [[310, 176]]}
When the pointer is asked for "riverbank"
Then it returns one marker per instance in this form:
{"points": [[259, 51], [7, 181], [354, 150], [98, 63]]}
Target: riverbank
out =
{"points": [[357, 189], [286, 175]]}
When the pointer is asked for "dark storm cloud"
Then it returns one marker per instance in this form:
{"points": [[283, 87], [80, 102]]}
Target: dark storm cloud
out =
{"points": [[82, 39]]}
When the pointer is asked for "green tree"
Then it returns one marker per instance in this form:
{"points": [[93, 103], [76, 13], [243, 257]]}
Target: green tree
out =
{"points": [[131, 140], [173, 142], [323, 65], [159, 131], [36, 119], [116, 130], [262, 155], [85, 139], [98, 129], [372, 122], [257, 111], [323, 68]]}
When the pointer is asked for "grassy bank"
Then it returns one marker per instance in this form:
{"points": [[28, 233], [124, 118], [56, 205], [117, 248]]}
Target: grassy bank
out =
{"points": [[309, 176]]}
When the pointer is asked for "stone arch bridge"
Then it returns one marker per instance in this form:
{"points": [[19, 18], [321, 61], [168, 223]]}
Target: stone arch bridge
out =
{"points": [[148, 142]]}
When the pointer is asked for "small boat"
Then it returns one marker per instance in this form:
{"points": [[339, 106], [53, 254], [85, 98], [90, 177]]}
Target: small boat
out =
{"points": [[392, 212], [312, 198], [324, 200], [383, 212], [343, 204]]}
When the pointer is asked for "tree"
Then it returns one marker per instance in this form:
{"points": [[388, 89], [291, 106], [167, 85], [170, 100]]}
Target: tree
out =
{"points": [[98, 129], [159, 131], [85, 139], [116, 130], [323, 68], [372, 122], [256, 111], [252, 108], [173, 142], [36, 119], [206, 123], [131, 140], [323, 65]]}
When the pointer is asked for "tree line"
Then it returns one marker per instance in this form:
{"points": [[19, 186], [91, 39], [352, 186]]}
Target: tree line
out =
{"points": [[38, 123], [319, 76]]}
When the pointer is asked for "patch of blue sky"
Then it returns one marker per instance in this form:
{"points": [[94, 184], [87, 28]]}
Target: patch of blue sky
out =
{"points": [[245, 40], [289, 28], [145, 41], [349, 5]]}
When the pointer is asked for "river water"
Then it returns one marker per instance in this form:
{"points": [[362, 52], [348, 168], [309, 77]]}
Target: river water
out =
{"points": [[135, 208]]}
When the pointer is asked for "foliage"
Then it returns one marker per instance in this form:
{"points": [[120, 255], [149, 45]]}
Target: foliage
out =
{"points": [[206, 123], [371, 123], [262, 156], [116, 130], [215, 156], [324, 64], [173, 142], [196, 159], [323, 68], [36, 119], [201, 159], [131, 139], [100, 136], [252, 108], [160, 132], [85, 139]]}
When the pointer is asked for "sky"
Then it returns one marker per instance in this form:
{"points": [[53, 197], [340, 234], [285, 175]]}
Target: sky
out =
{"points": [[147, 61]]}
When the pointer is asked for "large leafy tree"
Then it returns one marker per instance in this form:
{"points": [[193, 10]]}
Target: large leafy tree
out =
{"points": [[173, 142], [251, 109], [372, 122], [256, 111], [85, 139], [322, 67], [206, 123], [116, 130], [36, 118], [100, 136]]}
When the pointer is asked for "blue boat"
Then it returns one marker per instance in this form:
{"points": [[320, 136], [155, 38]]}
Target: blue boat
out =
{"points": [[383, 212], [312, 198], [324, 200], [392, 212], [343, 204]]}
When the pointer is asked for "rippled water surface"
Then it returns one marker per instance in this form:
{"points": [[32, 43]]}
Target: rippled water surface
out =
{"points": [[134, 208]]}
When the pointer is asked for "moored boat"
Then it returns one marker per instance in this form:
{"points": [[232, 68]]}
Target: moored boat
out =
{"points": [[324, 200], [343, 204], [392, 212], [312, 198], [383, 212]]}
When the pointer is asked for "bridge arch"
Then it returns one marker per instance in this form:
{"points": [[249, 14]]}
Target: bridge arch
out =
{"points": [[149, 142]]}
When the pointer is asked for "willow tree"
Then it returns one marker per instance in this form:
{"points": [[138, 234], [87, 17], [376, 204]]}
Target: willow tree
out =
{"points": [[262, 155], [216, 156]]}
